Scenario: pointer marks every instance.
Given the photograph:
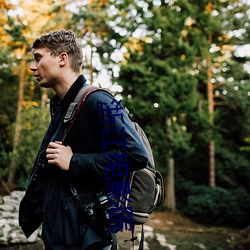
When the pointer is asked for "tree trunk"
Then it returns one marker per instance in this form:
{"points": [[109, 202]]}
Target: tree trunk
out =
{"points": [[210, 97], [90, 30], [17, 131], [91, 68], [169, 189], [211, 164]]}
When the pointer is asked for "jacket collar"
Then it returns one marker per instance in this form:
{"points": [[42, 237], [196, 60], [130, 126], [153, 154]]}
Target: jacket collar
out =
{"points": [[71, 94]]}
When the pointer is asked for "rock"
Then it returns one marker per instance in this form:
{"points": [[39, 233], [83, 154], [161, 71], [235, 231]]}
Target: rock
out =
{"points": [[200, 246], [163, 241], [6, 207], [11, 202], [10, 232]]}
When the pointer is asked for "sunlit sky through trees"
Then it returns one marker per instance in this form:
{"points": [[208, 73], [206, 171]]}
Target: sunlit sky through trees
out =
{"points": [[103, 78]]}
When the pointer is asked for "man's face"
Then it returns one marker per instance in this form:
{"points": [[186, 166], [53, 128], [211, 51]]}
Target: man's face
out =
{"points": [[45, 67]]}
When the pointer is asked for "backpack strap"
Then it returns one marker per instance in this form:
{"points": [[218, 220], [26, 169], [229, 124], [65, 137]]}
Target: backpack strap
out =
{"points": [[114, 245], [141, 246], [69, 119], [75, 108]]}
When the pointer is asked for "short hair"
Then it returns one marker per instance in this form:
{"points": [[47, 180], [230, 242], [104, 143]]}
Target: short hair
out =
{"points": [[62, 41]]}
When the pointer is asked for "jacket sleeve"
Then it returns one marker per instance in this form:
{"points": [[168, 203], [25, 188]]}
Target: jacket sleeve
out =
{"points": [[122, 150]]}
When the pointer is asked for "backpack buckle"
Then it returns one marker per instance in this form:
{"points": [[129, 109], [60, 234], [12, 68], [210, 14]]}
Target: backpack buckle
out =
{"points": [[70, 112]]}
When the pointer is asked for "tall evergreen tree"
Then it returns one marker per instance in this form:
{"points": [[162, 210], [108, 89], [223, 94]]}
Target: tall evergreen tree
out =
{"points": [[226, 28], [158, 85], [165, 74]]}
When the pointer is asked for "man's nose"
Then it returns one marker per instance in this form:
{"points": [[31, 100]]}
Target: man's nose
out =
{"points": [[33, 66]]}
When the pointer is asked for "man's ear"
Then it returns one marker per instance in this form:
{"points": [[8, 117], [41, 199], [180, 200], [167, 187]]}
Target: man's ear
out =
{"points": [[63, 58]]}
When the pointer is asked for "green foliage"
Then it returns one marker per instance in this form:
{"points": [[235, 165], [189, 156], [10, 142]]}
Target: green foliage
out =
{"points": [[8, 87], [15, 30], [163, 74], [214, 205], [4, 156], [34, 124], [247, 146], [8, 104], [164, 80], [158, 88], [232, 167]]}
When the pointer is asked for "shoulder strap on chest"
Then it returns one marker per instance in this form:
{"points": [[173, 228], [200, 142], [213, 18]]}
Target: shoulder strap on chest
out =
{"points": [[76, 105]]}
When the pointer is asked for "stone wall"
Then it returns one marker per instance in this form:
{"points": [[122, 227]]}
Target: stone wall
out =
{"points": [[10, 232]]}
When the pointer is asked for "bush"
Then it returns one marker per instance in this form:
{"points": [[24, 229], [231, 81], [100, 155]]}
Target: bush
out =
{"points": [[215, 206], [34, 125]]}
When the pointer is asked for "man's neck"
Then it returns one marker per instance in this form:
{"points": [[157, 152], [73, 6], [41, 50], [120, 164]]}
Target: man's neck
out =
{"points": [[65, 84]]}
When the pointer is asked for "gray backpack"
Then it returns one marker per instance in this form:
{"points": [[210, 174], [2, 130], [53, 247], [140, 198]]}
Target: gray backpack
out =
{"points": [[146, 189], [146, 185]]}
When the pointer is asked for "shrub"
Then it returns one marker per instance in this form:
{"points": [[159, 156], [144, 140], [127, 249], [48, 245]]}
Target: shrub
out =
{"points": [[34, 125], [216, 206]]}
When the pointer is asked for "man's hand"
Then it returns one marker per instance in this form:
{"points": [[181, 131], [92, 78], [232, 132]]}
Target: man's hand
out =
{"points": [[59, 155]]}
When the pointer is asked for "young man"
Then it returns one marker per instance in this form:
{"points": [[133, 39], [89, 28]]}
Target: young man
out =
{"points": [[103, 143]]}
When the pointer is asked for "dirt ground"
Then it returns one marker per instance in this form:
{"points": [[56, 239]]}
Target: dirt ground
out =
{"points": [[175, 232], [166, 231]]}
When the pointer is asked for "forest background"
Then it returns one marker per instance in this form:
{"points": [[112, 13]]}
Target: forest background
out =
{"points": [[181, 68]]}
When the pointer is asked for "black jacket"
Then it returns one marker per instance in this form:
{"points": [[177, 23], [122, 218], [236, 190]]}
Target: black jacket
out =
{"points": [[48, 199]]}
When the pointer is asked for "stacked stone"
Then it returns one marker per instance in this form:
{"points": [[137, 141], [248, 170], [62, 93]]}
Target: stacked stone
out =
{"points": [[10, 232]]}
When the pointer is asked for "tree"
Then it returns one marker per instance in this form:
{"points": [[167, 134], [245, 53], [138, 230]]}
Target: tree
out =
{"points": [[8, 82], [158, 87], [167, 48], [20, 35], [18, 43], [90, 21], [226, 21]]}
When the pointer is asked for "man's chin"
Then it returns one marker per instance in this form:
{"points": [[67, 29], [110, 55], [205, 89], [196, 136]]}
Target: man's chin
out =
{"points": [[43, 85]]}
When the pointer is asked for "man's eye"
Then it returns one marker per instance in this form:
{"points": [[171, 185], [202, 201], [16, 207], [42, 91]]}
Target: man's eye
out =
{"points": [[37, 58]]}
